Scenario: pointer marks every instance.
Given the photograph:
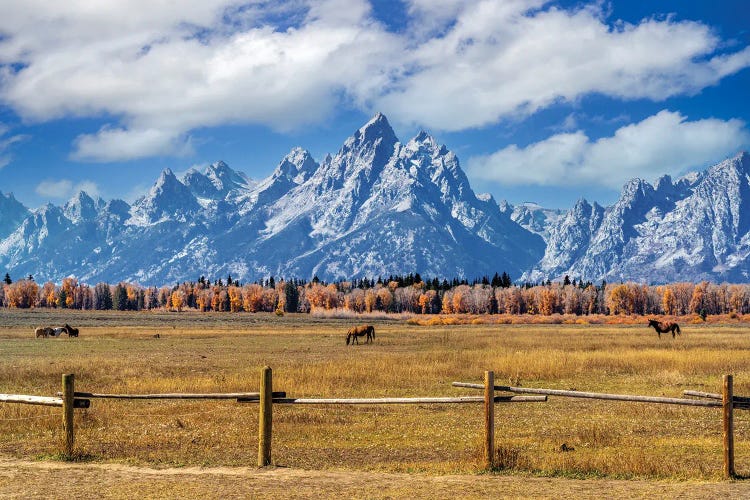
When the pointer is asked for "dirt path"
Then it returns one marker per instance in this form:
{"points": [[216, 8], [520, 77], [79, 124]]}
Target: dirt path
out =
{"points": [[28, 479]]}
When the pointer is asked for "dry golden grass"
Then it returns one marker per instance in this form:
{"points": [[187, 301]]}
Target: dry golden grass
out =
{"points": [[118, 353]]}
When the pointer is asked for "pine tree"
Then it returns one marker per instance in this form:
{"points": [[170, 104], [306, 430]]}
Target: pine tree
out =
{"points": [[291, 297], [493, 304], [120, 298], [496, 282], [102, 297], [7, 279], [505, 280]]}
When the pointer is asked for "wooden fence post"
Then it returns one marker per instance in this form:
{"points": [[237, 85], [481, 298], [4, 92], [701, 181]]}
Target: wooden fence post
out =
{"points": [[265, 417], [489, 419], [68, 390], [728, 413]]}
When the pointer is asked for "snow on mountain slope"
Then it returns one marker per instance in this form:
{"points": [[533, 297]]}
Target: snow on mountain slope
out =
{"points": [[376, 207], [12, 213], [692, 229], [533, 217]]}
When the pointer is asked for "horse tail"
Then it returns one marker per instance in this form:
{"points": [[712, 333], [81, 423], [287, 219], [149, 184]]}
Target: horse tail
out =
{"points": [[372, 331]]}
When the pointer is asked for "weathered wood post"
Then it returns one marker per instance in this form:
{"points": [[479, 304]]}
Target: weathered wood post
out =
{"points": [[68, 390], [728, 413], [265, 417], [489, 419]]}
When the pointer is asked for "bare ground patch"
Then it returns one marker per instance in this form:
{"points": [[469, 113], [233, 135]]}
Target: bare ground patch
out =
{"points": [[31, 479]]}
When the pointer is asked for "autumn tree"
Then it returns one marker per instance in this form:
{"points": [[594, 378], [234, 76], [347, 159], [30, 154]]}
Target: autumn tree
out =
{"points": [[235, 298], [738, 298], [176, 300], [67, 292], [22, 294], [48, 295], [252, 297], [668, 301], [696, 300]]}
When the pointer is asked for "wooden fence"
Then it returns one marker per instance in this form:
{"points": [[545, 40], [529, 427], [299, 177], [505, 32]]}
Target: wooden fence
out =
{"points": [[68, 399]]}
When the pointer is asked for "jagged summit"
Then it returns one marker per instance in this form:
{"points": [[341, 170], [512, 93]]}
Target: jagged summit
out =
{"points": [[81, 207]]}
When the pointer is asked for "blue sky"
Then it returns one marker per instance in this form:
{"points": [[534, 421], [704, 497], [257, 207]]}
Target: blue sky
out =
{"points": [[542, 101]]}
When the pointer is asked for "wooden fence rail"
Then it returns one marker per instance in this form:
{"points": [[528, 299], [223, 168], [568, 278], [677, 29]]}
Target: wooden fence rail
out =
{"points": [[741, 403], [596, 395], [244, 396], [399, 401], [30, 400]]}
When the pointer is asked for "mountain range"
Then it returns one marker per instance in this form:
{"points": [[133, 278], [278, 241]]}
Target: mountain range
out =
{"points": [[380, 207]]}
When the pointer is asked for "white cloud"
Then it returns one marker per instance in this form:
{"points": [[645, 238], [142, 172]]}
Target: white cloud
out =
{"points": [[55, 189], [663, 143], [120, 144], [158, 69], [6, 143], [65, 188], [502, 59]]}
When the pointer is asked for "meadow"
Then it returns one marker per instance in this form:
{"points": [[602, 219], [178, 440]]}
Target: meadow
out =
{"points": [[205, 352]]}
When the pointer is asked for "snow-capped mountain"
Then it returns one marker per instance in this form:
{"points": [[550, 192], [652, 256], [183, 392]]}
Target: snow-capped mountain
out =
{"points": [[694, 228], [376, 207], [533, 216], [12, 213]]}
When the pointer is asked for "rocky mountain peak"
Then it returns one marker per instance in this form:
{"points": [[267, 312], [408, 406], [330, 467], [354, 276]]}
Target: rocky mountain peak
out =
{"points": [[224, 178], [370, 147], [168, 198], [298, 165], [81, 207]]}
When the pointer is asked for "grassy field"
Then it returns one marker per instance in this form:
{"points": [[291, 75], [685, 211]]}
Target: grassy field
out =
{"points": [[118, 353]]}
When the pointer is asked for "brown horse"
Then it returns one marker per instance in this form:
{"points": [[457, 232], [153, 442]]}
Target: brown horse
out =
{"points": [[664, 327], [360, 331], [43, 331]]}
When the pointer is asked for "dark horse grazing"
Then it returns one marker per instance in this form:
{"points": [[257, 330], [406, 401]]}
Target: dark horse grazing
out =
{"points": [[664, 327], [360, 331]]}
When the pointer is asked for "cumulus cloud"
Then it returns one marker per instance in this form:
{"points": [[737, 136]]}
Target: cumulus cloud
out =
{"points": [[65, 188], [514, 58], [663, 143], [121, 144], [158, 70]]}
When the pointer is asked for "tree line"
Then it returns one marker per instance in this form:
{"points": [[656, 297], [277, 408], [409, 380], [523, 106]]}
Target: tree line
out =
{"points": [[395, 294]]}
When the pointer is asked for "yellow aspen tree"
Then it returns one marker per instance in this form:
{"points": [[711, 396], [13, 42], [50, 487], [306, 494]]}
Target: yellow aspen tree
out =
{"points": [[668, 301], [176, 300]]}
